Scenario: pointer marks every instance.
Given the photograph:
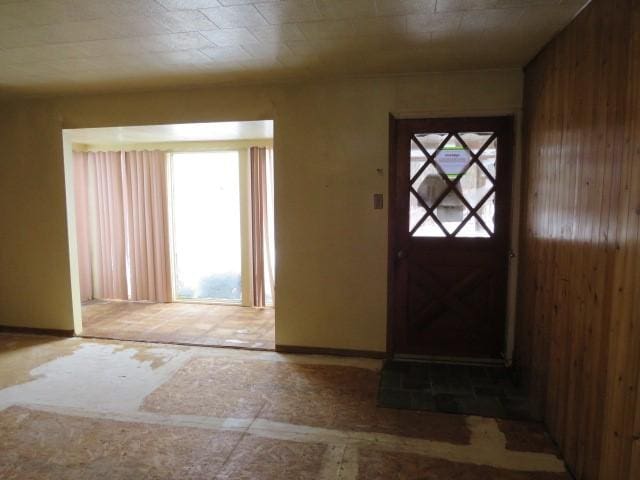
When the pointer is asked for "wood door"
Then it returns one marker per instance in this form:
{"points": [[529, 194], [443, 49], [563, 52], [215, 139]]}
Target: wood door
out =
{"points": [[449, 222]]}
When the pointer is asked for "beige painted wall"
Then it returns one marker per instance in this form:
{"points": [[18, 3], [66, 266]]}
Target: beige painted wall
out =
{"points": [[330, 137]]}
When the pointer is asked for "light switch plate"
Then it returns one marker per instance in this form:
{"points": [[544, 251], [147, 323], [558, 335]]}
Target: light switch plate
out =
{"points": [[378, 202]]}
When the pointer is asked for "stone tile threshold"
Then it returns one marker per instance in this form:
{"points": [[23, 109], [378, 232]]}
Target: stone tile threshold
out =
{"points": [[483, 390]]}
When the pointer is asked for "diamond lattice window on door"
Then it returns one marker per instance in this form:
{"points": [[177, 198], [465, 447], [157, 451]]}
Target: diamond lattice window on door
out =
{"points": [[452, 184]]}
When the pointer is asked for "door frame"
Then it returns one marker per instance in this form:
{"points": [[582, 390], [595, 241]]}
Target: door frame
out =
{"points": [[514, 227]]}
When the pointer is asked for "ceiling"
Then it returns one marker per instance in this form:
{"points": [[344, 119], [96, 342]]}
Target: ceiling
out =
{"points": [[262, 129], [91, 45]]}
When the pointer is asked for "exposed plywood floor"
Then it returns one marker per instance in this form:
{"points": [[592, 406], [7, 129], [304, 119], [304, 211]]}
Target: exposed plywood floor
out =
{"points": [[145, 411], [181, 323]]}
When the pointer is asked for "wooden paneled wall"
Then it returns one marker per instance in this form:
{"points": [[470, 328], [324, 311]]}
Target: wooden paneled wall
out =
{"points": [[578, 336]]}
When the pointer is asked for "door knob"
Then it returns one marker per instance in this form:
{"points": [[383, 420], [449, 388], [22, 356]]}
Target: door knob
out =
{"points": [[401, 254]]}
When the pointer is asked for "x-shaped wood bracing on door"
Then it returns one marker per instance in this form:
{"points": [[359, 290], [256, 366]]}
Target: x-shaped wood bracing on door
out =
{"points": [[446, 296]]}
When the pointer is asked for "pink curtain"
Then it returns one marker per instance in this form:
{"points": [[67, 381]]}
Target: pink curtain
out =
{"points": [[122, 217], [269, 229], [258, 215], [83, 233], [261, 224], [110, 280], [147, 221]]}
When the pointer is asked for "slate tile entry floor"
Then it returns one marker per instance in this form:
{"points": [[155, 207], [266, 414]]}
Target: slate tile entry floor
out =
{"points": [[487, 391]]}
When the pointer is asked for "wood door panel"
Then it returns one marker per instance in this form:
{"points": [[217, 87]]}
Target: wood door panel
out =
{"points": [[448, 278], [451, 310]]}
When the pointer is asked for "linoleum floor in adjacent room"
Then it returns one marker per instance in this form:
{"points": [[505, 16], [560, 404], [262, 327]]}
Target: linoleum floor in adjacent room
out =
{"points": [[181, 323]]}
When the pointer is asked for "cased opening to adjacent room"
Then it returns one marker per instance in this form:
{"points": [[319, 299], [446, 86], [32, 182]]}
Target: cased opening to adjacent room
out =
{"points": [[175, 232]]}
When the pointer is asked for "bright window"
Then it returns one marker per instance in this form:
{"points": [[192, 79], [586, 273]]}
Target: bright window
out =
{"points": [[206, 226]]}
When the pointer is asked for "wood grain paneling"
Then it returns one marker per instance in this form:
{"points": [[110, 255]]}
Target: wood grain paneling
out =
{"points": [[578, 336]]}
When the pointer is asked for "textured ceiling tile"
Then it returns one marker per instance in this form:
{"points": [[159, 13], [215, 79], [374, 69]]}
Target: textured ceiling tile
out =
{"points": [[404, 7], [10, 76], [185, 21], [22, 37], [176, 41], [528, 3], [216, 66], [434, 22], [24, 70], [190, 57], [380, 26], [111, 8], [105, 48], [15, 56], [75, 64], [245, 2], [188, 4], [230, 36], [103, 29], [325, 49], [557, 15], [127, 42], [343, 9], [39, 54], [306, 47], [293, 59], [256, 63], [226, 53], [30, 12], [338, 49], [154, 43], [576, 4], [463, 5], [278, 33], [499, 20], [8, 22], [326, 29], [288, 11], [267, 50], [235, 16]]}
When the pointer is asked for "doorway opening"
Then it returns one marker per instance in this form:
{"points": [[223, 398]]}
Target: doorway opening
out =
{"points": [[175, 232]]}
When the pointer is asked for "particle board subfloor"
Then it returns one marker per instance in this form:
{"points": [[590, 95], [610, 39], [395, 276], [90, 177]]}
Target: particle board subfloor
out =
{"points": [[180, 323], [80, 408]]}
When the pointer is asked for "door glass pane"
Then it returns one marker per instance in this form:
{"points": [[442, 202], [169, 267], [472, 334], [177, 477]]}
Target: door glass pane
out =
{"points": [[429, 185], [431, 141], [453, 159], [429, 229], [416, 211], [416, 160], [451, 213], [206, 225], [474, 185], [475, 140], [488, 158], [473, 228]]}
